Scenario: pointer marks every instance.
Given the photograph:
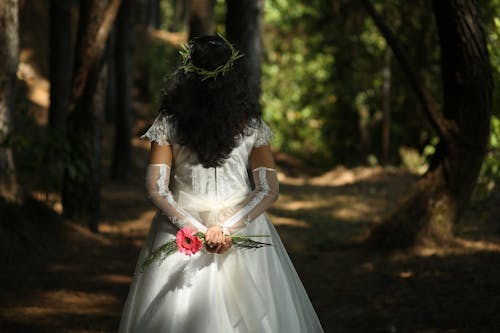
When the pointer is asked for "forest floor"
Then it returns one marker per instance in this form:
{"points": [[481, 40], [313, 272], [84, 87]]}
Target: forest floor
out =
{"points": [[76, 281]]}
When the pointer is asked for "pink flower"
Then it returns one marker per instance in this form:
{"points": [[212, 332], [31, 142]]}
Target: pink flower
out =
{"points": [[187, 242]]}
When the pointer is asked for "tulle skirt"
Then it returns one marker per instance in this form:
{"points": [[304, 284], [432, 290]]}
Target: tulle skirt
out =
{"points": [[240, 291]]}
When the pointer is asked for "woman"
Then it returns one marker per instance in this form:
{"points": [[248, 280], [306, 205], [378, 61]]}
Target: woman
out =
{"points": [[208, 133]]}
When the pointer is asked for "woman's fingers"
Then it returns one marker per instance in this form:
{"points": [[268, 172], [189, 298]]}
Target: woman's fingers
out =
{"points": [[214, 236], [221, 247], [226, 245]]}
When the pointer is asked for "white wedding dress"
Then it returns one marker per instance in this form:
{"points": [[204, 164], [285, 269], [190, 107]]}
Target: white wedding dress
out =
{"points": [[243, 291]]}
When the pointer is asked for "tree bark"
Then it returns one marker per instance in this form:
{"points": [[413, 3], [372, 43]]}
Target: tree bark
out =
{"points": [[9, 54], [201, 18], [386, 106], [60, 62], [111, 89], [180, 19], [96, 20], [60, 66], [123, 114], [243, 28], [436, 203], [153, 14], [81, 188]]}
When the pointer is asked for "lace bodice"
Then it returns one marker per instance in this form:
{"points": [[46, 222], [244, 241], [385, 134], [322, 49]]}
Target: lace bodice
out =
{"points": [[217, 184]]}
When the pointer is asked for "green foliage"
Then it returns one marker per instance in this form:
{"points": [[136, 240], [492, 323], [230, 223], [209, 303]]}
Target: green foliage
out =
{"points": [[490, 172], [296, 75], [322, 78]]}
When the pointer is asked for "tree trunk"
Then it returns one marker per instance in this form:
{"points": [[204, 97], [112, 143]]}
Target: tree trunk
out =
{"points": [[60, 63], [153, 14], [123, 113], [81, 188], [386, 106], [243, 28], [60, 66], [438, 200], [96, 20], [111, 89], [201, 18], [180, 19], [365, 129], [9, 53]]}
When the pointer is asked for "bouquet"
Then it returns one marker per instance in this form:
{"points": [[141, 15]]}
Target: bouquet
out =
{"points": [[189, 242]]}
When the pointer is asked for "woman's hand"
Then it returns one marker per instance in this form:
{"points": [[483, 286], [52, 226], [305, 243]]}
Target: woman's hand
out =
{"points": [[214, 236], [216, 241], [226, 245], [221, 248]]}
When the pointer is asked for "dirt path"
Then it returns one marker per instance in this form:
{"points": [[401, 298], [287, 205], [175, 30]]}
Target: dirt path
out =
{"points": [[80, 285]]}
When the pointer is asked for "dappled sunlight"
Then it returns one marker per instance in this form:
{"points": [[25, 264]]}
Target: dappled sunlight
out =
{"points": [[53, 200], [63, 302], [343, 176], [459, 246], [137, 225], [172, 38], [82, 232], [302, 204], [478, 245], [79, 302], [64, 268], [348, 208], [339, 205], [115, 279], [356, 211], [285, 221], [38, 87]]}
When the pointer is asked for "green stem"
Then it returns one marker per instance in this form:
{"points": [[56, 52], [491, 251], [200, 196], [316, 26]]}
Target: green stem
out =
{"points": [[248, 236]]}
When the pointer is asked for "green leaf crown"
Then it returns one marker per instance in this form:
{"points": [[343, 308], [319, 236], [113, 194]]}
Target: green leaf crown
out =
{"points": [[188, 66]]}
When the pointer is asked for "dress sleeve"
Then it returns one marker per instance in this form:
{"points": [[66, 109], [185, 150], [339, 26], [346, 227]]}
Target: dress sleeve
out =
{"points": [[161, 132], [263, 135], [158, 192], [260, 199]]}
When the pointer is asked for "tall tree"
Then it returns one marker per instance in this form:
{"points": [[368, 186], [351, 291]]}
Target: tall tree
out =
{"points": [[201, 18], [180, 18], [81, 188], [111, 97], [386, 105], [9, 53], [153, 14], [60, 66], [437, 201], [123, 113], [60, 59], [243, 27]]}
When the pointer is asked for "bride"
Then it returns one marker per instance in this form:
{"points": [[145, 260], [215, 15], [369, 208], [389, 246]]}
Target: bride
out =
{"points": [[208, 134]]}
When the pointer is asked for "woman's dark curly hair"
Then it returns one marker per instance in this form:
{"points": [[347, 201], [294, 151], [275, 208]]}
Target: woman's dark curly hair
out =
{"points": [[211, 115]]}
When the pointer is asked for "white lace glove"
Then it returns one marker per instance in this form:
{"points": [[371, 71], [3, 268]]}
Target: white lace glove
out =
{"points": [[157, 181], [263, 196]]}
